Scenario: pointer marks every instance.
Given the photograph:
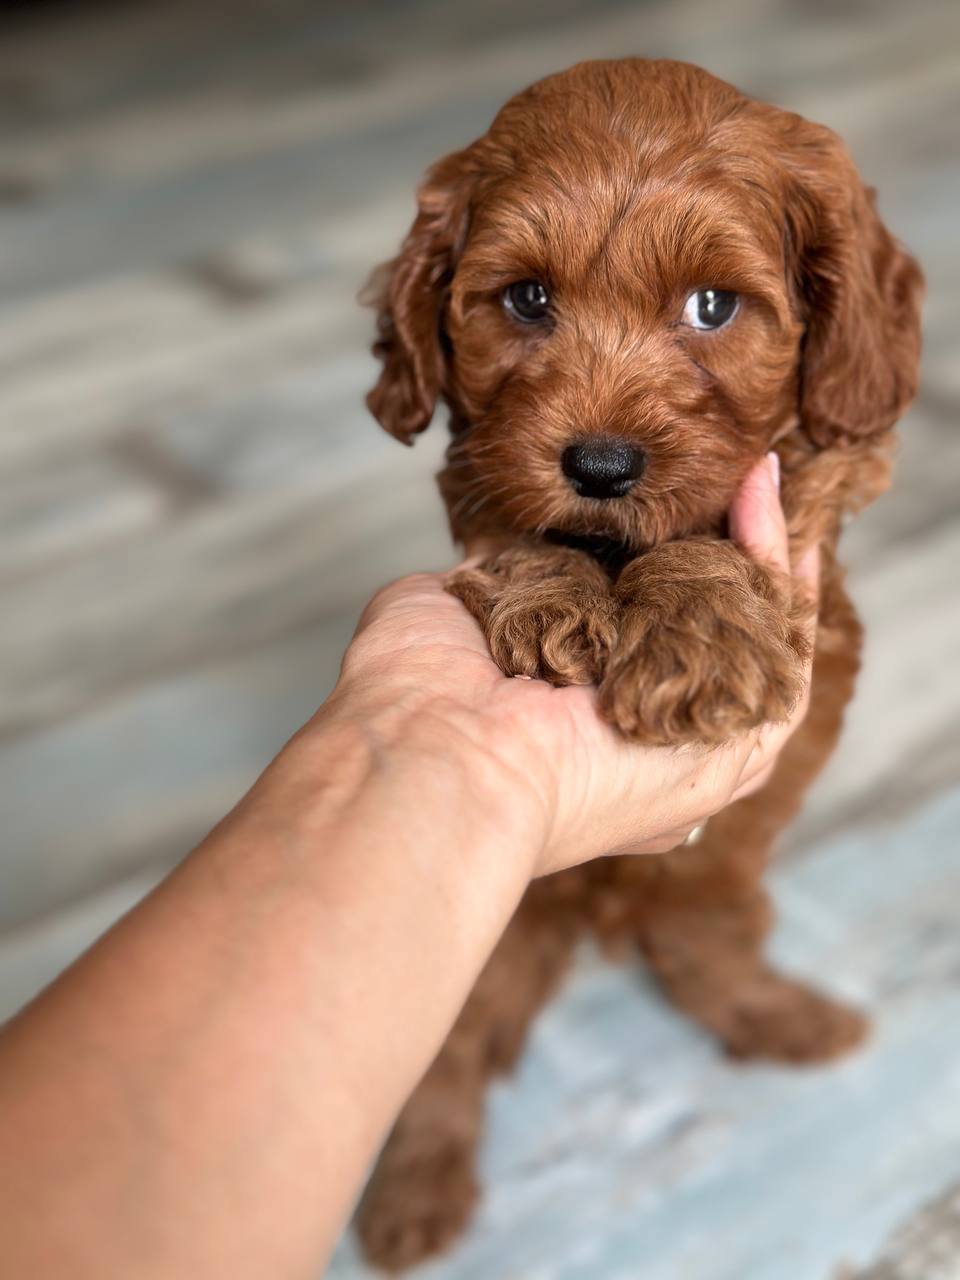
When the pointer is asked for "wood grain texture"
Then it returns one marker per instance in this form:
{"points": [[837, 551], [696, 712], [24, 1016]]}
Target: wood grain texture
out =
{"points": [[194, 506], [927, 1247]]}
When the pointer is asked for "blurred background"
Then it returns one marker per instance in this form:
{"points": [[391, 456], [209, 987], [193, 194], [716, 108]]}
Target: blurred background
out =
{"points": [[194, 506]]}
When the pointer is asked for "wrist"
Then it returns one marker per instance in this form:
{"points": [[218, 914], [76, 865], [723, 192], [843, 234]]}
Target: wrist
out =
{"points": [[412, 761]]}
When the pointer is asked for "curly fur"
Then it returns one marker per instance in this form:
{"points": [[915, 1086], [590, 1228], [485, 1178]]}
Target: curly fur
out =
{"points": [[686, 608], [547, 613], [625, 185]]}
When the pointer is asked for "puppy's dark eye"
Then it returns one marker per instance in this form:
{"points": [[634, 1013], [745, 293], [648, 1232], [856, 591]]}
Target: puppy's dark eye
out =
{"points": [[527, 300], [710, 308]]}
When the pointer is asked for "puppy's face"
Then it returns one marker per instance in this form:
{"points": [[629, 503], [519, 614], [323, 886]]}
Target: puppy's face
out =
{"points": [[623, 345], [616, 291]]}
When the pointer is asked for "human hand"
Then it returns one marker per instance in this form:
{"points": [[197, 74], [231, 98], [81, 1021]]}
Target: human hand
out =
{"points": [[542, 754]]}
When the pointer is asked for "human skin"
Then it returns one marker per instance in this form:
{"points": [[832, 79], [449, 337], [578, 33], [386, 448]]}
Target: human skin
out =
{"points": [[201, 1093]]}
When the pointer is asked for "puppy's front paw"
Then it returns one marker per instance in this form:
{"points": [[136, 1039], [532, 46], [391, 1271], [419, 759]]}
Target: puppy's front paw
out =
{"points": [[560, 634], [546, 613], [709, 646]]}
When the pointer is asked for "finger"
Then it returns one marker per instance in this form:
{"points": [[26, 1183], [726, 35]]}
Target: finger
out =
{"points": [[757, 522], [807, 568], [763, 753], [756, 516], [470, 562], [755, 783]]}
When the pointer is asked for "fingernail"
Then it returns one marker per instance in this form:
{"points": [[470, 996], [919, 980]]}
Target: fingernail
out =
{"points": [[773, 462]]}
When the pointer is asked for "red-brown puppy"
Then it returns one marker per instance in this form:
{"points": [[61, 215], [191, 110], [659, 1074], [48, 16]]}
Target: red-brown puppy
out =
{"points": [[633, 286]]}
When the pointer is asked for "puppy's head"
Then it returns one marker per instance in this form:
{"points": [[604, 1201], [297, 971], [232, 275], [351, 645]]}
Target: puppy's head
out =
{"points": [[633, 285]]}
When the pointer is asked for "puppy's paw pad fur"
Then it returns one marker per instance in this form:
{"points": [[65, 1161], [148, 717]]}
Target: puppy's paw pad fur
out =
{"points": [[560, 636], [666, 689], [546, 614], [708, 647]]}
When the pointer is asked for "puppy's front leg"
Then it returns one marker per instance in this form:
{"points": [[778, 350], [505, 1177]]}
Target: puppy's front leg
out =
{"points": [[547, 612], [710, 643]]}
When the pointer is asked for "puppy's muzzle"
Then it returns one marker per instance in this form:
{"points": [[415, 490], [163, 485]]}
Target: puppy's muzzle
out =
{"points": [[603, 468]]}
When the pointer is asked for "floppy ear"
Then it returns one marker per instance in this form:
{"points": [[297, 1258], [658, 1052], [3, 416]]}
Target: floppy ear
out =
{"points": [[409, 294], [861, 292]]}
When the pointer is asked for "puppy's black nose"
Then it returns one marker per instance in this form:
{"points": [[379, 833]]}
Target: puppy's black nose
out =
{"points": [[603, 468]]}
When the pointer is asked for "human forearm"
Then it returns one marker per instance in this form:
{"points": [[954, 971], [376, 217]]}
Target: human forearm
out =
{"points": [[216, 1072], [198, 1095]]}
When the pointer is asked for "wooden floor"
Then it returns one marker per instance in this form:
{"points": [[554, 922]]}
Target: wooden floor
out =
{"points": [[194, 506]]}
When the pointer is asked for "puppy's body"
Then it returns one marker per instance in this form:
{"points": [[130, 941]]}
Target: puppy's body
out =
{"points": [[555, 291]]}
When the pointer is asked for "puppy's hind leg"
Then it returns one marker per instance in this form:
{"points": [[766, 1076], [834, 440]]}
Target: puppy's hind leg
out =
{"points": [[709, 962], [704, 930], [424, 1188]]}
